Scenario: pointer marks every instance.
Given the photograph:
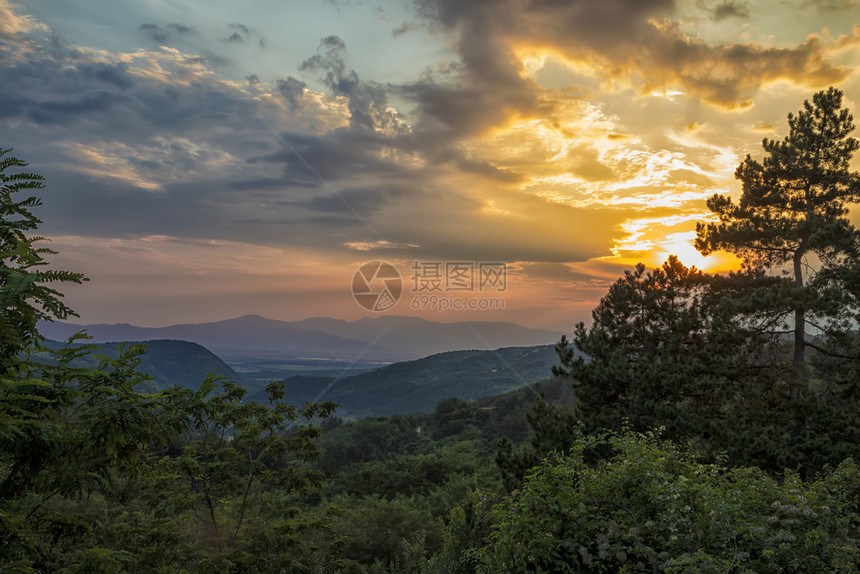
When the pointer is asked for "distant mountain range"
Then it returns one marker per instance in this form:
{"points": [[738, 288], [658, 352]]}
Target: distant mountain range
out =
{"points": [[379, 339], [379, 366]]}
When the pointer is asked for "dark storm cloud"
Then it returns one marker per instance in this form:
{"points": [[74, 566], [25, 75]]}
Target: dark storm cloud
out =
{"points": [[458, 110], [368, 101], [244, 34], [620, 38], [141, 162], [262, 183], [729, 9], [64, 91], [153, 158], [181, 28], [365, 201], [339, 155], [402, 29], [292, 89], [162, 35], [488, 86], [114, 74], [375, 129], [67, 111], [242, 28]]}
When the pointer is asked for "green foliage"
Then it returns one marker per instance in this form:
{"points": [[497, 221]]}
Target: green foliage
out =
{"points": [[657, 354], [649, 506], [374, 529], [96, 476], [370, 439], [73, 431], [469, 523], [232, 452], [554, 428], [26, 296]]}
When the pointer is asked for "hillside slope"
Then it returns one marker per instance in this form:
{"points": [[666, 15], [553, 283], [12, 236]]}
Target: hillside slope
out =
{"points": [[414, 386], [171, 363]]}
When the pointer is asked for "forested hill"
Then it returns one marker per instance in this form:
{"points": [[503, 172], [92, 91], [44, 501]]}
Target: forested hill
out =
{"points": [[417, 386], [169, 363], [405, 387]]}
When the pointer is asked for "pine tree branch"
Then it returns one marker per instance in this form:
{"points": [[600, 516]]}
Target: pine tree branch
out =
{"points": [[824, 330], [830, 353]]}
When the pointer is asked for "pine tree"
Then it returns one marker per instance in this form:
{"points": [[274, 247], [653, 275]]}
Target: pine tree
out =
{"points": [[655, 354], [791, 221]]}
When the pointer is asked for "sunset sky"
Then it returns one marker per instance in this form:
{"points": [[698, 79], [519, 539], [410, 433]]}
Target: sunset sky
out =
{"points": [[211, 158]]}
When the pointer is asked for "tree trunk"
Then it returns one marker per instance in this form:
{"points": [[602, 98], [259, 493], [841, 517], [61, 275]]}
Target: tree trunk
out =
{"points": [[798, 377]]}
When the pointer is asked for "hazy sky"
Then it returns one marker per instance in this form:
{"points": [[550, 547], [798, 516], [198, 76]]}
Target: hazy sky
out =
{"points": [[208, 159]]}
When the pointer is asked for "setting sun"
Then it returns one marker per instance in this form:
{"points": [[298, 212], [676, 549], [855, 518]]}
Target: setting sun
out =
{"points": [[681, 245]]}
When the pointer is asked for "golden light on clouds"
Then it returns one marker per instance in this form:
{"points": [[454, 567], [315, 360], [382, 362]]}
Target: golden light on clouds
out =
{"points": [[651, 240], [569, 139]]}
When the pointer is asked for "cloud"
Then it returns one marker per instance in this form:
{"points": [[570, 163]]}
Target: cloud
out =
{"points": [[626, 42], [244, 34], [242, 28], [115, 74], [180, 28], [725, 9], [568, 138], [402, 29], [292, 89], [557, 272], [162, 35], [13, 25], [368, 101], [832, 5], [350, 145]]}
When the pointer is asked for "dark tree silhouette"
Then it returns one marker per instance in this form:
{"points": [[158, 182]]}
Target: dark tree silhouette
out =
{"points": [[791, 221]]}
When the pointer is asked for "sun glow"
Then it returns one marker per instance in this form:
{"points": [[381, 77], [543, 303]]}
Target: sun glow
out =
{"points": [[681, 245]]}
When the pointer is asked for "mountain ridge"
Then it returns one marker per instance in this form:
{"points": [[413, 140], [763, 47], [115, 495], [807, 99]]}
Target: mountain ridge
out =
{"points": [[391, 338]]}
